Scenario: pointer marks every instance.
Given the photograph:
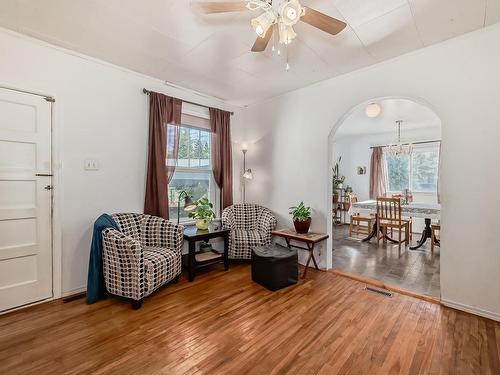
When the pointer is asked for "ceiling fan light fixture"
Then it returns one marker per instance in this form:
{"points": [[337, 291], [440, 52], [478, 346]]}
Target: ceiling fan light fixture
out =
{"points": [[287, 34], [372, 110], [263, 22], [290, 12]]}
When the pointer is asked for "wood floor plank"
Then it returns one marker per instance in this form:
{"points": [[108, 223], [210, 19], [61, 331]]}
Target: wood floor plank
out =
{"points": [[223, 323]]}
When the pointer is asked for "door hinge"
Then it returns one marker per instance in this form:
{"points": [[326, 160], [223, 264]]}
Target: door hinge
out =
{"points": [[50, 99]]}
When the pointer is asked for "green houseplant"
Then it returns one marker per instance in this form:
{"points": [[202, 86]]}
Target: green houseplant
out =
{"points": [[301, 216], [337, 181], [203, 213]]}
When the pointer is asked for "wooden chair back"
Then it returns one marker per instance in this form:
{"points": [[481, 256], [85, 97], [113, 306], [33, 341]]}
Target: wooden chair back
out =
{"points": [[389, 209]]}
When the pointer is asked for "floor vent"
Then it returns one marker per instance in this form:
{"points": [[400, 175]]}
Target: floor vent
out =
{"points": [[379, 291]]}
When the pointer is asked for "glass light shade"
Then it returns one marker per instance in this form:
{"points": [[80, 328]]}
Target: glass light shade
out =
{"points": [[287, 34], [244, 147], [372, 110], [263, 22], [399, 149], [290, 12], [248, 174]]}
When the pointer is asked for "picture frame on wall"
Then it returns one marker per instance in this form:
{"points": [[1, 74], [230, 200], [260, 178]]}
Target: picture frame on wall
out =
{"points": [[361, 170]]}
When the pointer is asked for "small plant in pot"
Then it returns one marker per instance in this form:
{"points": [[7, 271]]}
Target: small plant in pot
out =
{"points": [[301, 216], [203, 213], [347, 199]]}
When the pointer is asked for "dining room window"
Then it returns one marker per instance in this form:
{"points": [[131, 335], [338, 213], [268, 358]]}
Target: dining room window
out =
{"points": [[417, 172]]}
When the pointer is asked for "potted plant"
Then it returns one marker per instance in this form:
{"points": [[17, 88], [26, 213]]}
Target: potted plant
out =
{"points": [[203, 213], [337, 181], [301, 216], [347, 199]]}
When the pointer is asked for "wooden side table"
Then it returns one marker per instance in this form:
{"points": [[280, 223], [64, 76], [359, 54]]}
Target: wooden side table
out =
{"points": [[198, 260], [310, 239]]}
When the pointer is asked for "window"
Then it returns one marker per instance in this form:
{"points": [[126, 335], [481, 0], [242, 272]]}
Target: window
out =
{"points": [[193, 172], [417, 172]]}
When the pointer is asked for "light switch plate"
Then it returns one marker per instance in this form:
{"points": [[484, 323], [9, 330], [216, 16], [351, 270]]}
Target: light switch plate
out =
{"points": [[91, 165]]}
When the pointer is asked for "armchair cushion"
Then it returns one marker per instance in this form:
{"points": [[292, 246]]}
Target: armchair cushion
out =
{"points": [[160, 266]]}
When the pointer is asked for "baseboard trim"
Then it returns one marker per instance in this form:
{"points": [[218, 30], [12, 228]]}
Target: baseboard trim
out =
{"points": [[72, 292], [471, 309]]}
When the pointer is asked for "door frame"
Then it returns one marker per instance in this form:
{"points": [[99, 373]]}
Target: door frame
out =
{"points": [[56, 218]]}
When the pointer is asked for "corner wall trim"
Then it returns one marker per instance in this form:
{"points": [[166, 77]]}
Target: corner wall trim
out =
{"points": [[471, 309]]}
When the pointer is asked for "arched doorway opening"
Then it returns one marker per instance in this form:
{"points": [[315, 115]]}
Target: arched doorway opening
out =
{"points": [[405, 135]]}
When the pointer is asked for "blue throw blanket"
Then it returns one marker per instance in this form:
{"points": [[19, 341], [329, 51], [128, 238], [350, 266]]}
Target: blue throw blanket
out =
{"points": [[96, 289]]}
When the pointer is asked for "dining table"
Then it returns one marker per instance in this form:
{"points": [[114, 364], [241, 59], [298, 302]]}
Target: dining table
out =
{"points": [[427, 211]]}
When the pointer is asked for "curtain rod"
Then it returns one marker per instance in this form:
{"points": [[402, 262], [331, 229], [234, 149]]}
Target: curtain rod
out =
{"points": [[147, 92], [412, 143]]}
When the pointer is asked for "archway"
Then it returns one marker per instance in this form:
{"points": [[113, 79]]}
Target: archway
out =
{"points": [[352, 138]]}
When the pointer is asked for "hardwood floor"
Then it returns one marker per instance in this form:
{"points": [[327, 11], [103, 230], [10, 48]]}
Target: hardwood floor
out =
{"points": [[222, 323]]}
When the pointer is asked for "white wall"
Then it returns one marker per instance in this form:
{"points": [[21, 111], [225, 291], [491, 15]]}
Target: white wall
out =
{"points": [[100, 113], [461, 80]]}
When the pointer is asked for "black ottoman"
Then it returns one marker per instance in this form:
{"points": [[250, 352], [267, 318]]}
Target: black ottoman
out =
{"points": [[274, 266]]}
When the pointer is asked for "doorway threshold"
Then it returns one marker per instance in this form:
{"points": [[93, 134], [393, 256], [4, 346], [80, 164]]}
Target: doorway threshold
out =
{"points": [[382, 285]]}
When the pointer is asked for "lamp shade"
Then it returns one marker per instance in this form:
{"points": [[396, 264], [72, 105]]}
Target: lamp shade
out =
{"points": [[189, 205], [290, 12], [372, 110], [263, 22], [248, 174]]}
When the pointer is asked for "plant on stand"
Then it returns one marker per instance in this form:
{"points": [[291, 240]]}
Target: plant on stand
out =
{"points": [[203, 213], [337, 181], [301, 216]]}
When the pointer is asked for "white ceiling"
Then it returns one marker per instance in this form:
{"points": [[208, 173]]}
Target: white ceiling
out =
{"points": [[210, 53], [415, 116]]}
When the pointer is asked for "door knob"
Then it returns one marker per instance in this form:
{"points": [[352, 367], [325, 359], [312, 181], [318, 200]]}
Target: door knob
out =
{"points": [[48, 187]]}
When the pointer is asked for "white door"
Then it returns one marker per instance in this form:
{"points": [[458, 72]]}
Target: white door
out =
{"points": [[25, 199]]}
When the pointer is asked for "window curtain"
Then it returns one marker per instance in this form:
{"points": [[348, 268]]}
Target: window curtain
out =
{"points": [[378, 185], [438, 188], [221, 154], [164, 121]]}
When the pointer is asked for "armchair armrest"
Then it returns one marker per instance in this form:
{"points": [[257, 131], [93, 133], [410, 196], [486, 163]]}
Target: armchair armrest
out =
{"points": [[123, 264], [228, 221], [266, 223], [158, 232]]}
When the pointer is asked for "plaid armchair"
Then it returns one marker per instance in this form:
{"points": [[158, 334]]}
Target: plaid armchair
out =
{"points": [[145, 255], [250, 225]]}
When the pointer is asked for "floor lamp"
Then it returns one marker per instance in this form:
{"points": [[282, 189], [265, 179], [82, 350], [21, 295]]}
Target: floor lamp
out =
{"points": [[247, 173]]}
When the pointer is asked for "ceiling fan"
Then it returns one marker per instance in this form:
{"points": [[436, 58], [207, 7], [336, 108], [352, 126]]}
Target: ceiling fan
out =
{"points": [[280, 14]]}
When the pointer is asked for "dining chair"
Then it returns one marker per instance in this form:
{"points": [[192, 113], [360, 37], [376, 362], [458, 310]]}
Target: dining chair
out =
{"points": [[356, 220], [434, 238], [400, 196], [389, 218]]}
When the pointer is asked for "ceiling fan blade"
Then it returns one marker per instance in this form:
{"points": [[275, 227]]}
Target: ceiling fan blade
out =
{"points": [[220, 6], [323, 22], [261, 43]]}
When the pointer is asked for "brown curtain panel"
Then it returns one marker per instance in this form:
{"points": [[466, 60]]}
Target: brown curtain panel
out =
{"points": [[221, 155], [377, 174], [164, 120]]}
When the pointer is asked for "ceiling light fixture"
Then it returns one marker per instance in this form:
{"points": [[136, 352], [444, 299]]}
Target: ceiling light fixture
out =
{"points": [[399, 149], [262, 23], [287, 34], [290, 12], [372, 110]]}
